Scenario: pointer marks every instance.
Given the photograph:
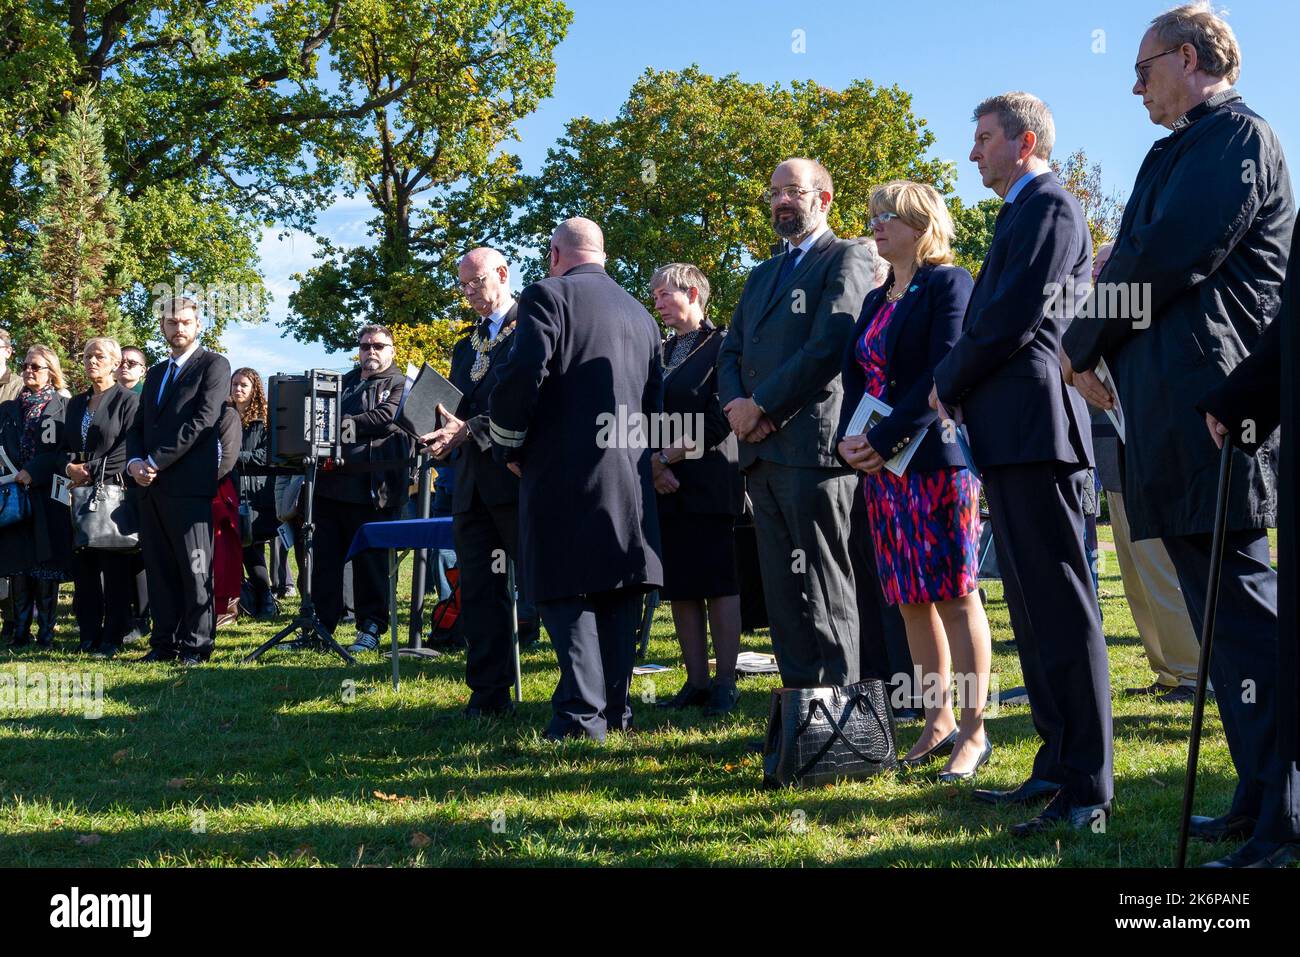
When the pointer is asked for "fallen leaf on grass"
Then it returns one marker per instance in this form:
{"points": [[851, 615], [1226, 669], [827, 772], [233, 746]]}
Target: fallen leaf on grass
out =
{"points": [[88, 840], [120, 756], [178, 783], [392, 797], [420, 839], [301, 851]]}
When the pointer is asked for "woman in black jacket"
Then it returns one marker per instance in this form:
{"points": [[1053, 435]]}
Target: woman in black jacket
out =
{"points": [[697, 476], [35, 553], [92, 450], [249, 400], [925, 521]]}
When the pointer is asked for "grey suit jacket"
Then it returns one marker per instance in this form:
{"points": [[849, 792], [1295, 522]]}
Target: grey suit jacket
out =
{"points": [[785, 346]]}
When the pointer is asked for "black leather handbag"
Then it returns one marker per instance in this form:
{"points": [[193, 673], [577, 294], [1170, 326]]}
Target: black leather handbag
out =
{"points": [[104, 518], [819, 735]]}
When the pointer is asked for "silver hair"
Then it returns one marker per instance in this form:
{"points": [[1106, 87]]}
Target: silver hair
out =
{"points": [[1217, 52], [1019, 113]]}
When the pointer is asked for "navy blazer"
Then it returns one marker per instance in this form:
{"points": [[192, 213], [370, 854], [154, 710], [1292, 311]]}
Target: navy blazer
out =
{"points": [[925, 324], [1005, 372]]}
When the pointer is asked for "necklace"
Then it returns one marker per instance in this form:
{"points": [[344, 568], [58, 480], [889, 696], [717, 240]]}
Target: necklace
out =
{"points": [[482, 346], [894, 297]]}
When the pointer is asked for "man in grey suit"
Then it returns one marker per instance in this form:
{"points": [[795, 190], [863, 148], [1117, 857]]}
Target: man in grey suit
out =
{"points": [[778, 380]]}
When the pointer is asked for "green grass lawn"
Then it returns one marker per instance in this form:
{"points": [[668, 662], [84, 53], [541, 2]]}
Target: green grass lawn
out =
{"points": [[286, 763]]}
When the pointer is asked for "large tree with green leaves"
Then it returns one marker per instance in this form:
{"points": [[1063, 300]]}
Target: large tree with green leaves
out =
{"points": [[67, 295], [430, 162], [678, 174], [224, 117]]}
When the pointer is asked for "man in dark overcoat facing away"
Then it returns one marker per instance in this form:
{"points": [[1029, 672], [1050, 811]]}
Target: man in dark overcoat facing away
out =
{"points": [[569, 415]]}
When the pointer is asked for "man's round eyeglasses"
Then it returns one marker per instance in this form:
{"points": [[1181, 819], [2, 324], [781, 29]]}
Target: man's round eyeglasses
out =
{"points": [[468, 287], [1141, 68], [786, 192]]}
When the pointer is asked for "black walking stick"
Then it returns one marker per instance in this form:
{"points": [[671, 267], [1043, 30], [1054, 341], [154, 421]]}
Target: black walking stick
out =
{"points": [[1207, 643]]}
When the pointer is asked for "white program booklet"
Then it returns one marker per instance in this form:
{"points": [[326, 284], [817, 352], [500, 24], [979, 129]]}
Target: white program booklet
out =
{"points": [[61, 490], [1116, 413], [870, 411]]}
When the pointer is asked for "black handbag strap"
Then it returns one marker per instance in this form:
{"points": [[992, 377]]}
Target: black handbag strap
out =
{"points": [[837, 733]]}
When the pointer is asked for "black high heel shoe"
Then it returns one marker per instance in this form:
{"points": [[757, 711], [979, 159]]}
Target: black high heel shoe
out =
{"points": [[942, 748], [951, 777]]}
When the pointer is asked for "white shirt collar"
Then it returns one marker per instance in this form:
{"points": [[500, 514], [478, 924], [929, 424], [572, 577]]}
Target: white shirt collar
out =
{"points": [[809, 241], [496, 319]]}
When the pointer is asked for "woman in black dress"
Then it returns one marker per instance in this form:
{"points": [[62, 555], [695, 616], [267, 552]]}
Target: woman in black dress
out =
{"points": [[700, 494], [36, 552], [249, 399], [92, 449]]}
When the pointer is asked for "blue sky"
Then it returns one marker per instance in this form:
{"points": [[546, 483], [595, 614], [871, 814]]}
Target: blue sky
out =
{"points": [[947, 54]]}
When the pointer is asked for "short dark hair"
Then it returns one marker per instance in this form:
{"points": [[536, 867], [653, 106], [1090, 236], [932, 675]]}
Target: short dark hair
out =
{"points": [[374, 328], [1018, 113], [137, 350]]}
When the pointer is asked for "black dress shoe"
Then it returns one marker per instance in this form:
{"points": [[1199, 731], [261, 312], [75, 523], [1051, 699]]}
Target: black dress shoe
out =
{"points": [[1152, 689], [757, 746], [951, 777], [1180, 695], [1259, 854], [688, 697], [158, 654], [1228, 827], [504, 709], [722, 699], [1032, 790], [943, 747], [1059, 813]]}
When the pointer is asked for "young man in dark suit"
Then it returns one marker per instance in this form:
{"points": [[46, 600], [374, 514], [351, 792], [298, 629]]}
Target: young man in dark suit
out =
{"points": [[585, 353], [1032, 442], [779, 384], [172, 456], [485, 500]]}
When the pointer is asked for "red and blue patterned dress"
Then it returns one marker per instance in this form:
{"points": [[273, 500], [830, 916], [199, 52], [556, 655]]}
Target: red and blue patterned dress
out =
{"points": [[927, 524]]}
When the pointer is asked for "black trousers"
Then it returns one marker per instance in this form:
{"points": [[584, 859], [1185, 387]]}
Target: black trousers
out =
{"points": [[883, 651], [1037, 516], [485, 537], [594, 637], [255, 570], [1244, 670], [103, 585], [801, 522], [176, 539], [336, 525]]}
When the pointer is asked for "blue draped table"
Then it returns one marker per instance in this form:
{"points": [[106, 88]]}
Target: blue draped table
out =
{"points": [[417, 533]]}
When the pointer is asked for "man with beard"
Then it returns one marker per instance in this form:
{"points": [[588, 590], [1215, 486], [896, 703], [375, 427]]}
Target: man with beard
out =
{"points": [[172, 455], [779, 383], [1204, 243], [358, 492]]}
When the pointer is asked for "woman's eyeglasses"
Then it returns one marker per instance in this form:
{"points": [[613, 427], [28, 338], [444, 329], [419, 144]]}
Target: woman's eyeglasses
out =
{"points": [[878, 221], [33, 367]]}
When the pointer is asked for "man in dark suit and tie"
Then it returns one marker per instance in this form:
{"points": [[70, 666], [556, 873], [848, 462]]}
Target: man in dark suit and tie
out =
{"points": [[585, 361], [1032, 442], [485, 500], [779, 383], [172, 451]]}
